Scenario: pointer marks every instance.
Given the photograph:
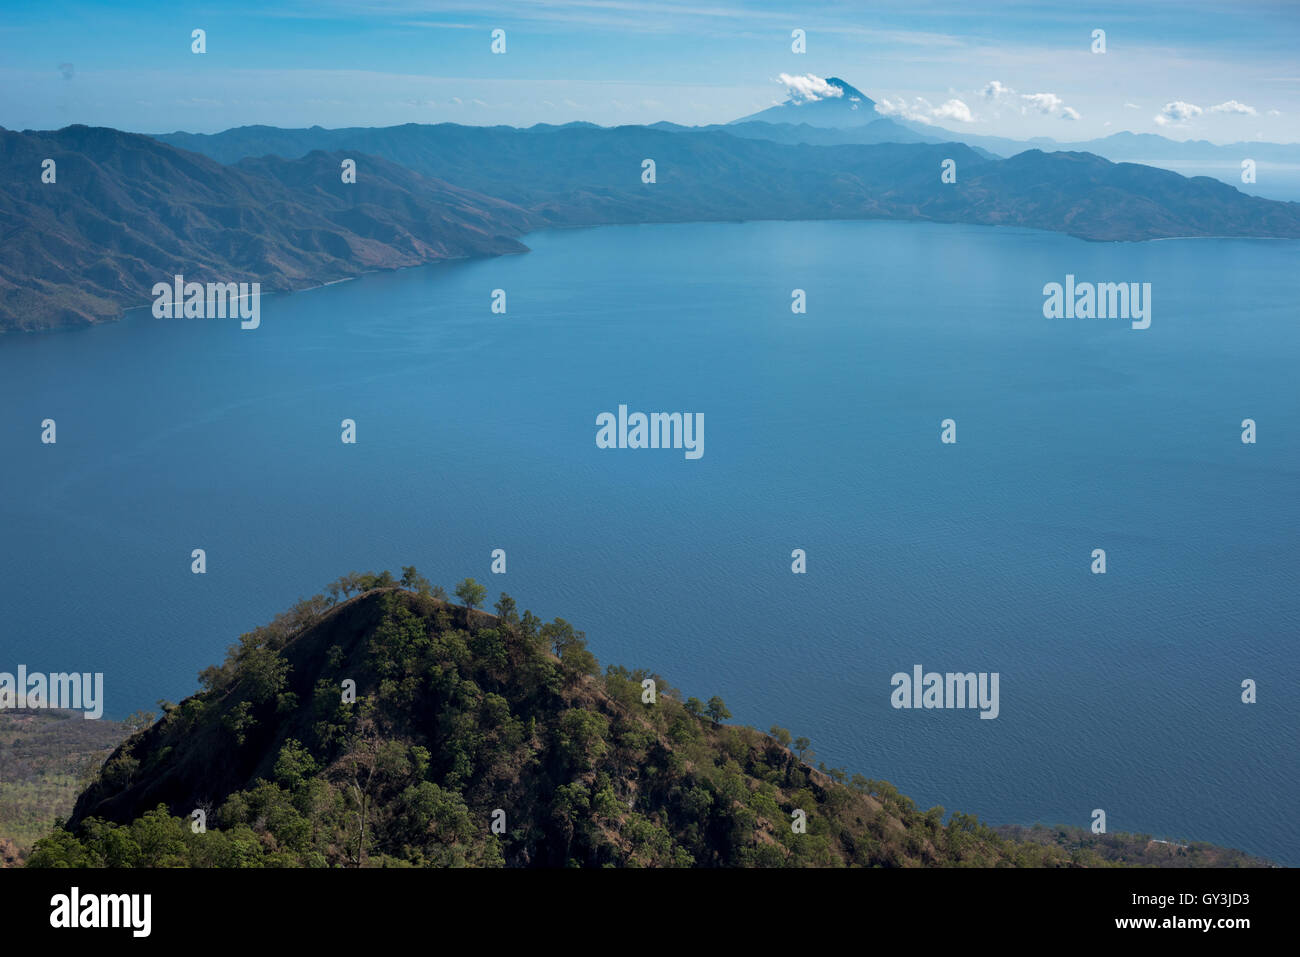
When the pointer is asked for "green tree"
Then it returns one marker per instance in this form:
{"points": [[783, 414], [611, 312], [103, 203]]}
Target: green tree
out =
{"points": [[577, 661], [294, 765], [507, 610], [801, 745], [239, 721], [781, 734], [581, 737], [344, 585], [138, 721], [471, 595], [559, 634], [530, 625], [119, 772], [265, 673], [414, 581], [570, 647], [717, 710]]}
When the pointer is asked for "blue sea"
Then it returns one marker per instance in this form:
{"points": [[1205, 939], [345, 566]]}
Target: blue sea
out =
{"points": [[476, 431]]}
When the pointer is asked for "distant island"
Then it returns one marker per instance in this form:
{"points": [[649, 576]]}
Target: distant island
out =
{"points": [[381, 724], [121, 212]]}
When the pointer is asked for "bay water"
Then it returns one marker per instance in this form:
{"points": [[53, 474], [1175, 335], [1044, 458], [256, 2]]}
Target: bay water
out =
{"points": [[477, 431]]}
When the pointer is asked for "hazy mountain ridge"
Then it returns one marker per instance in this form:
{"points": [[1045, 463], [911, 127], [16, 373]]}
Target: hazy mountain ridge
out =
{"points": [[877, 131], [718, 175], [1122, 146], [128, 211]]}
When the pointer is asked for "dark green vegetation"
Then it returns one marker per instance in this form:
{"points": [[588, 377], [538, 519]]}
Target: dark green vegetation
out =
{"points": [[127, 211], [459, 717], [46, 758]]}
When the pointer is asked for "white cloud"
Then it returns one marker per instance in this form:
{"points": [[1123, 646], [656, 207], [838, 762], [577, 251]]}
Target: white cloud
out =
{"points": [[954, 110], [1232, 106], [808, 88], [899, 108], [1177, 113], [1045, 103], [1049, 104], [1131, 106], [921, 110], [1274, 112]]}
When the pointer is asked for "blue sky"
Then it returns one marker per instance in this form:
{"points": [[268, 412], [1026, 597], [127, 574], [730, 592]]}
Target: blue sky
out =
{"points": [[1222, 72]]}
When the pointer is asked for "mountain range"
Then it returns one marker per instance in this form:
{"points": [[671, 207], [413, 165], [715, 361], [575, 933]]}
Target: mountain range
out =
{"points": [[583, 174], [269, 205], [838, 113]]}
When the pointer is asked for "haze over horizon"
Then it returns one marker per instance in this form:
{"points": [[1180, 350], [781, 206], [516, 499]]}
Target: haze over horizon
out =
{"points": [[1011, 70]]}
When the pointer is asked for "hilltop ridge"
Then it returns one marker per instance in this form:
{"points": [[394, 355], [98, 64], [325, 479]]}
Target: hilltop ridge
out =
{"points": [[491, 740]]}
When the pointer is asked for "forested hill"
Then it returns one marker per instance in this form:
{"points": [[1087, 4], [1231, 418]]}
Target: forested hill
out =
{"points": [[490, 740]]}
